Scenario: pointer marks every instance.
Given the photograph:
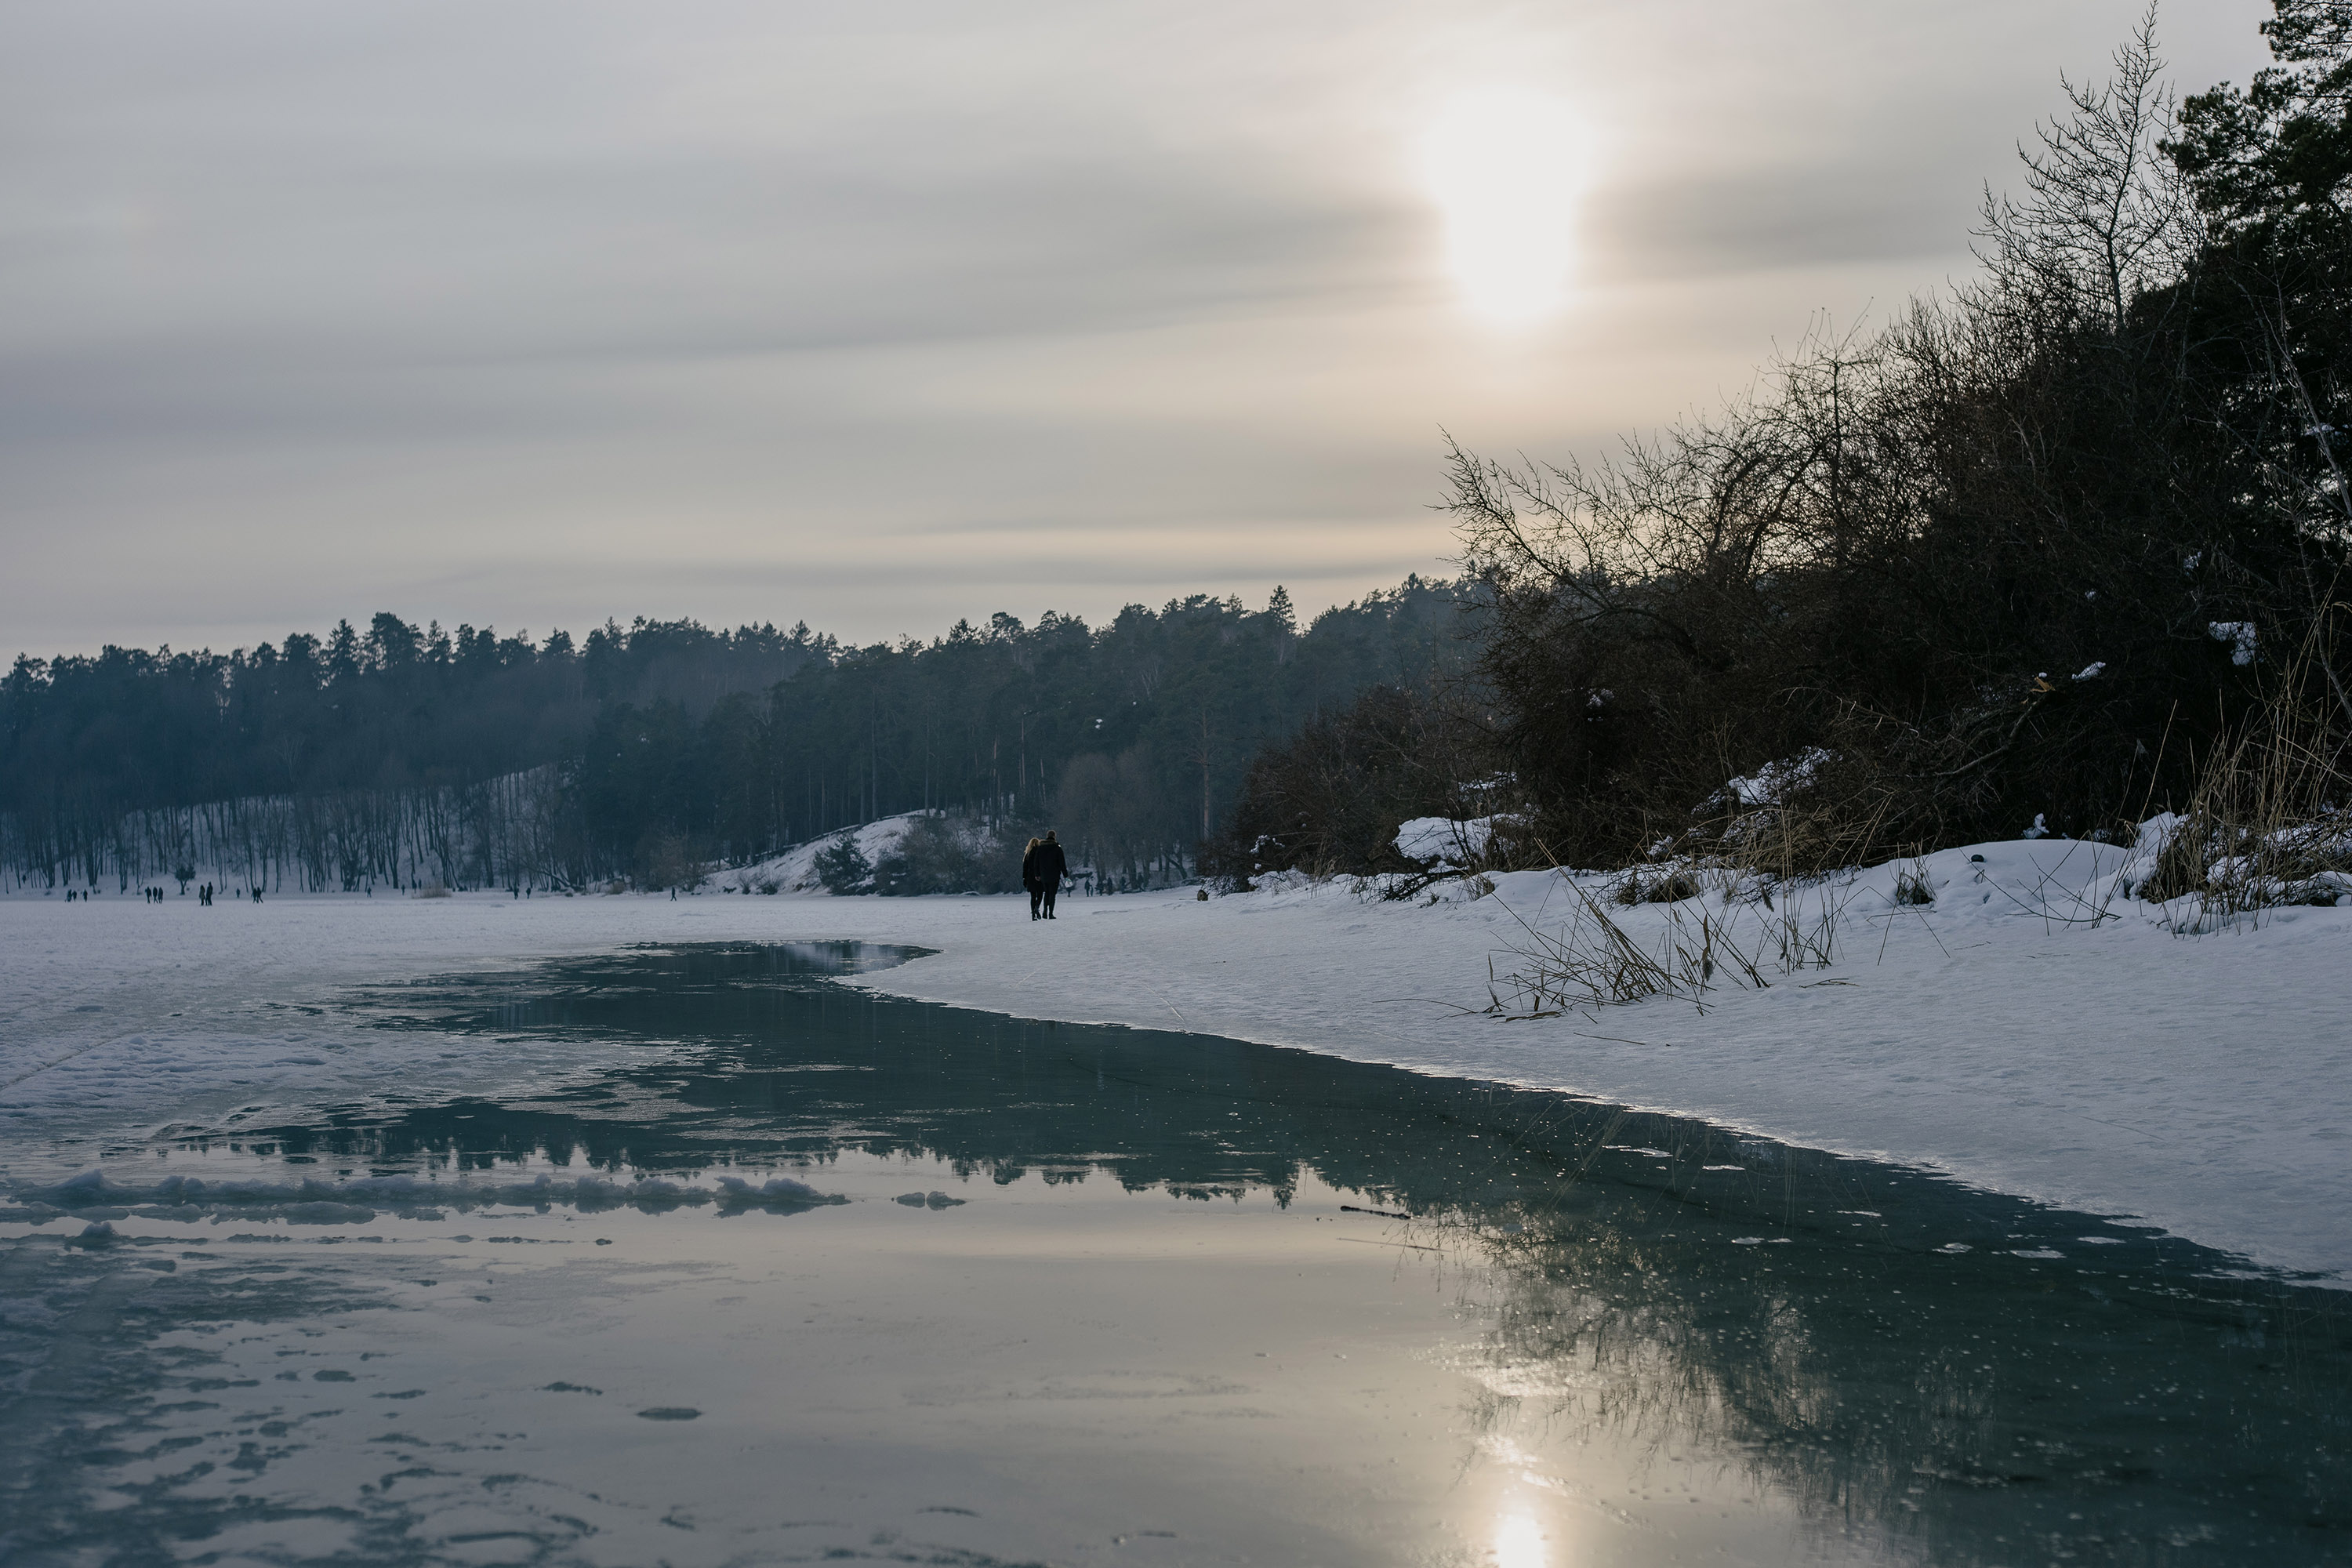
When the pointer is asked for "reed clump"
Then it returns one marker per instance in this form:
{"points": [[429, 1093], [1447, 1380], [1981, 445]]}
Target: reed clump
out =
{"points": [[1593, 960], [2267, 824]]}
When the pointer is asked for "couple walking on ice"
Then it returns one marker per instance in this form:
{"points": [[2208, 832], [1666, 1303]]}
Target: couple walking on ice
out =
{"points": [[1043, 866]]}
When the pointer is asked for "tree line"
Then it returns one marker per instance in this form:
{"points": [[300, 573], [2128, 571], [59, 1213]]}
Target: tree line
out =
{"points": [[410, 757]]}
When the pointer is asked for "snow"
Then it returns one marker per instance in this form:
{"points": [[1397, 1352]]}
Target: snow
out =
{"points": [[795, 870], [2239, 635], [1444, 841], [2031, 1031], [1772, 781]]}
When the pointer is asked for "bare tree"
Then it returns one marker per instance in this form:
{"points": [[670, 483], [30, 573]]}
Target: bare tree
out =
{"points": [[2105, 210]]}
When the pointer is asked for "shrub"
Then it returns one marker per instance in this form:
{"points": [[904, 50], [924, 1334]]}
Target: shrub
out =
{"points": [[948, 854], [667, 860], [1329, 801], [843, 866], [2265, 826]]}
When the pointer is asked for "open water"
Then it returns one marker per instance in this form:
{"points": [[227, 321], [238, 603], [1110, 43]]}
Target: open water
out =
{"points": [[822, 1277]]}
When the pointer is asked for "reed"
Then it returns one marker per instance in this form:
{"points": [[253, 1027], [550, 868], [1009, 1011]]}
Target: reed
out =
{"points": [[2266, 824]]}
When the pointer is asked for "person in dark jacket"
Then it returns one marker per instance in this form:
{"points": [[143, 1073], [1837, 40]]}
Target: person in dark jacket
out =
{"points": [[1052, 867], [1029, 880]]}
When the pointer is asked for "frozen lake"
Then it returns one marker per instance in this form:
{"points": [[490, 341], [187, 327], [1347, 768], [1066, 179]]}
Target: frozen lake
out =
{"points": [[781, 1271]]}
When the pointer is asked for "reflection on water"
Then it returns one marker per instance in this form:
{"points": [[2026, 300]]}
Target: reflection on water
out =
{"points": [[1578, 1334]]}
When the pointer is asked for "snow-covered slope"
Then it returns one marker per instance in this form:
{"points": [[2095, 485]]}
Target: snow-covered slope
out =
{"points": [[795, 870], [2200, 1083]]}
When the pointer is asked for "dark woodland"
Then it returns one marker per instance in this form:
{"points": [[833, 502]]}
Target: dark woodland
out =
{"points": [[2064, 547], [402, 757]]}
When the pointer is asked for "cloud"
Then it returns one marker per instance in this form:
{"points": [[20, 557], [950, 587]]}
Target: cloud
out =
{"points": [[880, 314]]}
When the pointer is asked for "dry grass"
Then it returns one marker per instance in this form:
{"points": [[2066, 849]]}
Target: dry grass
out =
{"points": [[1670, 884], [2266, 826], [1594, 961]]}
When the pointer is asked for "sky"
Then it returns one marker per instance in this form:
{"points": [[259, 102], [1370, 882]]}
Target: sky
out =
{"points": [[877, 315]]}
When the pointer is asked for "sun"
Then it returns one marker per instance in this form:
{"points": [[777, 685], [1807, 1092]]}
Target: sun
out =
{"points": [[1506, 166]]}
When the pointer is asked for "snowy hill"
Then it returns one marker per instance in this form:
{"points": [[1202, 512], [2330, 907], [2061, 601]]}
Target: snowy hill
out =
{"points": [[795, 870]]}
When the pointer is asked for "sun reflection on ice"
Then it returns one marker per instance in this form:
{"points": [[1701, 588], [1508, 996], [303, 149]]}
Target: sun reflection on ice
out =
{"points": [[1518, 1542]]}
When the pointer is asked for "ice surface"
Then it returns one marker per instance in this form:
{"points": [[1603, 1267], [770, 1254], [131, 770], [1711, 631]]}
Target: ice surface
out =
{"points": [[1519, 1317], [2033, 1031]]}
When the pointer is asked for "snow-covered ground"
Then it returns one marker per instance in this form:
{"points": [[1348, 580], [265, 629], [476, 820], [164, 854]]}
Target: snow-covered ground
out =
{"points": [[2203, 1084]]}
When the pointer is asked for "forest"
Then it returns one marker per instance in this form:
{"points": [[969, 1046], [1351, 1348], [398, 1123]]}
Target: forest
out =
{"points": [[2058, 550], [650, 753]]}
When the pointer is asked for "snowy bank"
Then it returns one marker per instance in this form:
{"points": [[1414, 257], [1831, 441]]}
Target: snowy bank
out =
{"points": [[2003, 1034]]}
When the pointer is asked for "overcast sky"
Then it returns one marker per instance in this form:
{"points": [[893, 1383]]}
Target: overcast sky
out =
{"points": [[879, 314]]}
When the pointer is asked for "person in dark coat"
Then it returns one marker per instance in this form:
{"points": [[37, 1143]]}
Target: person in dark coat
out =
{"points": [[1029, 880], [1052, 867]]}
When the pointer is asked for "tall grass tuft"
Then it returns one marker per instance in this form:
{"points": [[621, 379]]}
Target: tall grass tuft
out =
{"points": [[2266, 823], [1594, 962]]}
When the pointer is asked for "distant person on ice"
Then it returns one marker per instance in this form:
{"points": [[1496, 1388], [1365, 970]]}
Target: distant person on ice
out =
{"points": [[1029, 880], [1050, 867]]}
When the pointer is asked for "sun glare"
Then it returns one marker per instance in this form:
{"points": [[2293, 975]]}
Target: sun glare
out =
{"points": [[1505, 166], [1518, 1542]]}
